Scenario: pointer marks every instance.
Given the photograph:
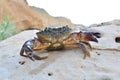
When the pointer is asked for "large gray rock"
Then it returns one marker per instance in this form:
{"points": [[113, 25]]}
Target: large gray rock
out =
{"points": [[110, 34], [62, 65], [110, 38]]}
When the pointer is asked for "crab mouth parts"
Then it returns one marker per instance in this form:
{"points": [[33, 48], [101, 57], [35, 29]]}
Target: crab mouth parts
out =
{"points": [[55, 46]]}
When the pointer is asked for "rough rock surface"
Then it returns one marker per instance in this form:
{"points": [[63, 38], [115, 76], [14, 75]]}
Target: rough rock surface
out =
{"points": [[103, 64], [20, 14], [49, 20], [110, 38], [25, 17]]}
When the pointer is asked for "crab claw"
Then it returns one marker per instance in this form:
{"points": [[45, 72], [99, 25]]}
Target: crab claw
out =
{"points": [[97, 34], [31, 56], [94, 39], [90, 36], [27, 50], [34, 57]]}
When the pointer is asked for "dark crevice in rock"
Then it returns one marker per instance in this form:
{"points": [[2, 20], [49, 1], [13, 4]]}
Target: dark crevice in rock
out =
{"points": [[50, 74], [117, 39]]}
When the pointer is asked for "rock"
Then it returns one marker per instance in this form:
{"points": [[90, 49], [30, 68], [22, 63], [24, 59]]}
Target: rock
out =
{"points": [[24, 17], [61, 65], [20, 14], [110, 35], [26, 2], [49, 20], [114, 22], [40, 10]]}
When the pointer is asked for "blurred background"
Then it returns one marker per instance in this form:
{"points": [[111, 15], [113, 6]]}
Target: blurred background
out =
{"points": [[84, 12]]}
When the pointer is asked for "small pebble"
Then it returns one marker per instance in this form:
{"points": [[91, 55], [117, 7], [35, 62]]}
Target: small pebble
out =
{"points": [[21, 62], [50, 74], [97, 53]]}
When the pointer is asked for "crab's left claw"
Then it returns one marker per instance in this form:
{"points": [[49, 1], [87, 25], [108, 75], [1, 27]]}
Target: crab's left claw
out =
{"points": [[96, 34], [91, 36], [94, 39]]}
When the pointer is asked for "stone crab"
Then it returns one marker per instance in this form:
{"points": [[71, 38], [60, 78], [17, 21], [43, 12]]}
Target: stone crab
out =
{"points": [[58, 38]]}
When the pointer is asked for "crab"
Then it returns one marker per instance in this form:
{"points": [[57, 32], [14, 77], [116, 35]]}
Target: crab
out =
{"points": [[51, 39]]}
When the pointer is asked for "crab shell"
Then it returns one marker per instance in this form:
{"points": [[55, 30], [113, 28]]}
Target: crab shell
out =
{"points": [[54, 37], [54, 34]]}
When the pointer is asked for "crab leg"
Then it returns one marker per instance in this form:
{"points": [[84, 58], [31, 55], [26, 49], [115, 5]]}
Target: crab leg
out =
{"points": [[84, 49], [83, 45], [28, 49], [88, 44]]}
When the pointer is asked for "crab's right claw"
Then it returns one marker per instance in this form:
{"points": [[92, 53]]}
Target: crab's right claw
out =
{"points": [[27, 51], [34, 57], [31, 56]]}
